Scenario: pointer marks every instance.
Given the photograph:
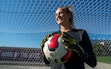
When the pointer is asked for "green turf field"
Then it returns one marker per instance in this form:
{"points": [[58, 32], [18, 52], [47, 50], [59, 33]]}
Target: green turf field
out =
{"points": [[104, 59]]}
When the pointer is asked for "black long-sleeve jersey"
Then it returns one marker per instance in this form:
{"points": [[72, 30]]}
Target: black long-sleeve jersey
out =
{"points": [[76, 62]]}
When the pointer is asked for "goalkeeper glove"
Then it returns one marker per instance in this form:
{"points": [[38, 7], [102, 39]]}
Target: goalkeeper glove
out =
{"points": [[45, 39], [71, 44]]}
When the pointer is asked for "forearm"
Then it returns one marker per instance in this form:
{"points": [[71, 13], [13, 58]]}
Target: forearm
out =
{"points": [[91, 61]]}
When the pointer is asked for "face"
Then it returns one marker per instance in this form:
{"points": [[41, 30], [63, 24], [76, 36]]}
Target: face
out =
{"points": [[62, 17]]}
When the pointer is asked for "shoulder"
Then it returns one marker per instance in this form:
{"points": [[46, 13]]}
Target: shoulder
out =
{"points": [[81, 31]]}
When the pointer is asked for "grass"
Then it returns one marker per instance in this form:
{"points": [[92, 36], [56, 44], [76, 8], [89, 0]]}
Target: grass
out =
{"points": [[104, 59]]}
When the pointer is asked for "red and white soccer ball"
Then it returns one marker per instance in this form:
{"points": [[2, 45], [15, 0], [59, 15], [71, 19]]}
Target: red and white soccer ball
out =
{"points": [[54, 50]]}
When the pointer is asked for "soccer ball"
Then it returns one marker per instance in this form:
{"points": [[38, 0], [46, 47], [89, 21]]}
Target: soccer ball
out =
{"points": [[54, 50]]}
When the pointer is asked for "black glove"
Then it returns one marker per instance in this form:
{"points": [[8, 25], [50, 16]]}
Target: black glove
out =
{"points": [[71, 44], [45, 39]]}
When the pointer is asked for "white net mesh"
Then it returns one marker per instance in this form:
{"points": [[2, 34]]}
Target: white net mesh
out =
{"points": [[24, 23]]}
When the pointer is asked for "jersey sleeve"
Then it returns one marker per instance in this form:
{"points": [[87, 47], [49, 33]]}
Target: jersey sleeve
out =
{"points": [[91, 60]]}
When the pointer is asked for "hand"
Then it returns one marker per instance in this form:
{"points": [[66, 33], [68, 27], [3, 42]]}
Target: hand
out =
{"points": [[45, 39], [71, 44]]}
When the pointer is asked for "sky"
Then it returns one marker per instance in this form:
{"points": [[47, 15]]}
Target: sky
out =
{"points": [[24, 23]]}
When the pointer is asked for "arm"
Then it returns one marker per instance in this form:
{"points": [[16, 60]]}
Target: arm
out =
{"points": [[91, 60]]}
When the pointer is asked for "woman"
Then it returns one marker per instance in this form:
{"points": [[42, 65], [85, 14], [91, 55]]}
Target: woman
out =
{"points": [[76, 40]]}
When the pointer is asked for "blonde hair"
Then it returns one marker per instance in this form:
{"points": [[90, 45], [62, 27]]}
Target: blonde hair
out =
{"points": [[68, 10]]}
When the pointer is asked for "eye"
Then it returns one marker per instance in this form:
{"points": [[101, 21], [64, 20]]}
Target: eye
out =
{"points": [[59, 13]]}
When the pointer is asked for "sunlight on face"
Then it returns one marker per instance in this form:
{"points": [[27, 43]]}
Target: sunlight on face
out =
{"points": [[61, 16]]}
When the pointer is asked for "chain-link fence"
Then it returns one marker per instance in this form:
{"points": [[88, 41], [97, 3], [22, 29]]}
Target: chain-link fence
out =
{"points": [[32, 58], [21, 56], [24, 23]]}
